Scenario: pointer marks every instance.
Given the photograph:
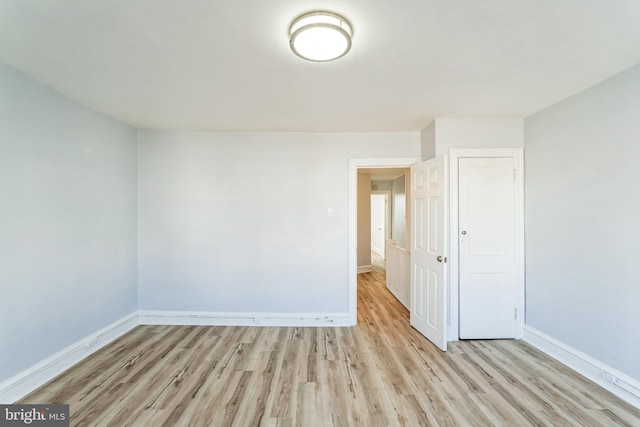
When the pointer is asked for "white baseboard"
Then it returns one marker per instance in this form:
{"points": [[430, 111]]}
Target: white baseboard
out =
{"points": [[213, 318], [30, 379], [605, 376], [365, 269], [25, 382]]}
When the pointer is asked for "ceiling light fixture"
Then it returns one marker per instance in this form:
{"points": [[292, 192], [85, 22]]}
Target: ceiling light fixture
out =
{"points": [[320, 36]]}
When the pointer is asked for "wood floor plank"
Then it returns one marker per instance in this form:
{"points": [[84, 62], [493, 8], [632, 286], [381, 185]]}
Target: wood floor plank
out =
{"points": [[379, 373]]}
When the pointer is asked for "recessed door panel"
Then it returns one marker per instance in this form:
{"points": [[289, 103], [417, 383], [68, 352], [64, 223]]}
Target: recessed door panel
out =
{"points": [[433, 177], [418, 180], [433, 226], [487, 210], [419, 229], [419, 292], [432, 299]]}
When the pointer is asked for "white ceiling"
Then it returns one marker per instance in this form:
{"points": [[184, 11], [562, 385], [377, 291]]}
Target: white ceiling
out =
{"points": [[226, 65]]}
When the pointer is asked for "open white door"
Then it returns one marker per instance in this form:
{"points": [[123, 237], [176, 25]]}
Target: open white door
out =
{"points": [[428, 250]]}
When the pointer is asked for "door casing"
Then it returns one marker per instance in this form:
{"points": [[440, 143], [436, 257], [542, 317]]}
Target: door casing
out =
{"points": [[354, 165], [454, 263]]}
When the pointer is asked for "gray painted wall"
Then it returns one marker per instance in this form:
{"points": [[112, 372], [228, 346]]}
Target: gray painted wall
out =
{"points": [[443, 134], [582, 210], [399, 209], [364, 220], [428, 141], [477, 133], [68, 228], [238, 221]]}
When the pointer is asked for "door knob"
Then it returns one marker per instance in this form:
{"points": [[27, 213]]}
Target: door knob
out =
{"points": [[439, 258], [464, 232]]}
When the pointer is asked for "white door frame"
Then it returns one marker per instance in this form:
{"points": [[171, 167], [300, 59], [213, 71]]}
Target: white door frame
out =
{"points": [[454, 155], [354, 165]]}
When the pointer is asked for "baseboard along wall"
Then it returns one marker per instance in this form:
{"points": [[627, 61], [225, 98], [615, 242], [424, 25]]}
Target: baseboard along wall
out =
{"points": [[20, 385], [623, 386], [23, 383], [208, 318], [365, 269]]}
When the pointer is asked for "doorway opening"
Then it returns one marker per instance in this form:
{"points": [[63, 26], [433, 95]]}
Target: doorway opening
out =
{"points": [[381, 219], [371, 182], [386, 271]]}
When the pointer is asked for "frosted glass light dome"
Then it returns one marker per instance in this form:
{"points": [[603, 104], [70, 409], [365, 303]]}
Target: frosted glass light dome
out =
{"points": [[320, 36]]}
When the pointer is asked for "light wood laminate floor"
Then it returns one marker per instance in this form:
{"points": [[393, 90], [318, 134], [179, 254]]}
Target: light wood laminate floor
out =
{"points": [[380, 373]]}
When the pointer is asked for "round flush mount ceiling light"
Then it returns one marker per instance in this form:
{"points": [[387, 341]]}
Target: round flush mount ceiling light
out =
{"points": [[320, 36]]}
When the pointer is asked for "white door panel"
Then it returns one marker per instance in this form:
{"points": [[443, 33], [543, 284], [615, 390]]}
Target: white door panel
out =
{"points": [[378, 223], [487, 244], [428, 312]]}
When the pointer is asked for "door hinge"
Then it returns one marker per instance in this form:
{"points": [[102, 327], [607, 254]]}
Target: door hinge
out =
{"points": [[514, 174], [515, 314]]}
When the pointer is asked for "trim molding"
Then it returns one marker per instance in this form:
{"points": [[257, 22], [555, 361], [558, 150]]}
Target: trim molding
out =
{"points": [[354, 164], [215, 318], [600, 373], [454, 286], [23, 383], [365, 269]]}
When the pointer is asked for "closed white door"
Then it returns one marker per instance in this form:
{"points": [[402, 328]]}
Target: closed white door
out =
{"points": [[428, 313], [378, 223], [487, 245]]}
